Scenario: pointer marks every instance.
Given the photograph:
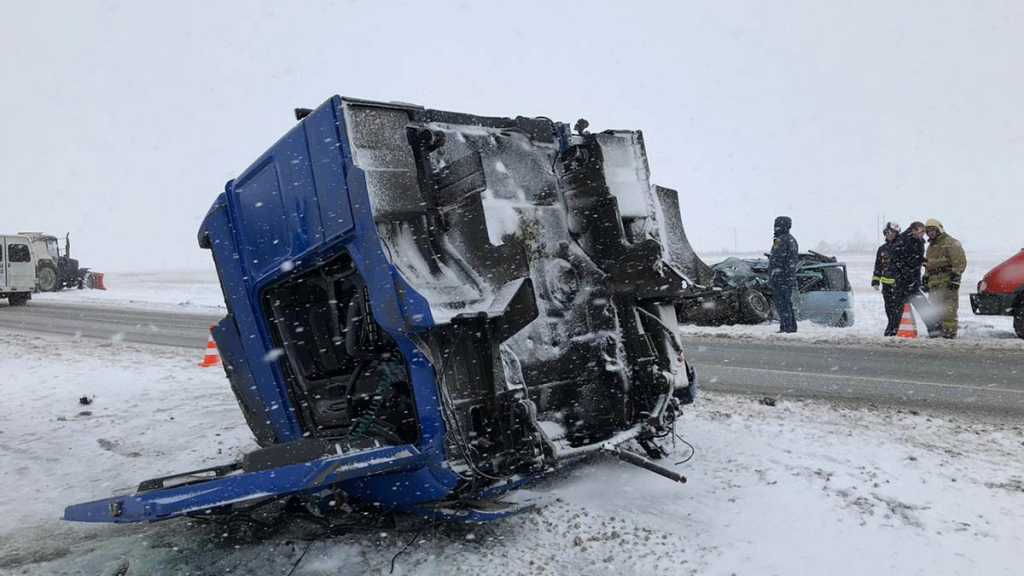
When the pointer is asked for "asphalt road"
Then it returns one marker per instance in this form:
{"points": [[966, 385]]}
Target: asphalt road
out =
{"points": [[990, 381], [124, 324]]}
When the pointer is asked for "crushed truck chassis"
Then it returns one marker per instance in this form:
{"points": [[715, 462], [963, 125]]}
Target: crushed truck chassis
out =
{"points": [[427, 309]]}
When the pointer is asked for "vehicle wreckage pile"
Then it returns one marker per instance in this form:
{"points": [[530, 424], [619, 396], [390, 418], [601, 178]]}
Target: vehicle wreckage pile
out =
{"points": [[427, 309], [737, 291]]}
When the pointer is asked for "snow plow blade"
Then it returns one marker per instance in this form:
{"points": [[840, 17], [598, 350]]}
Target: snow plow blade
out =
{"points": [[214, 490], [94, 281]]}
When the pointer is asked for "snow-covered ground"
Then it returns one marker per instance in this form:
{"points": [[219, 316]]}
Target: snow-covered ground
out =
{"points": [[796, 488], [172, 290], [869, 312]]}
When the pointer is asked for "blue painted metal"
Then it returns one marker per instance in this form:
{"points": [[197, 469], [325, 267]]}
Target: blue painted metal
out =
{"points": [[302, 201], [274, 214], [248, 488], [287, 208]]}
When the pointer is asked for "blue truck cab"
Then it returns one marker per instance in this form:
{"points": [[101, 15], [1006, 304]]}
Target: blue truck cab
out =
{"points": [[426, 309]]}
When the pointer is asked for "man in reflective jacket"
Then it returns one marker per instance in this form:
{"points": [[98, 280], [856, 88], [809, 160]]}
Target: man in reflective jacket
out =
{"points": [[881, 280]]}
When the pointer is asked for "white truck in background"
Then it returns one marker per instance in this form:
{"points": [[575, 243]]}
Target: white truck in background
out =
{"points": [[17, 269]]}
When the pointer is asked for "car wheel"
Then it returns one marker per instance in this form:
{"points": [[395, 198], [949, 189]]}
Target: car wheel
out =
{"points": [[46, 279], [754, 307], [1018, 319]]}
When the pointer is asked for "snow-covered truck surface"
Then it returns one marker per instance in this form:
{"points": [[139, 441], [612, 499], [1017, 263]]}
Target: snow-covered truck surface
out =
{"points": [[426, 309]]}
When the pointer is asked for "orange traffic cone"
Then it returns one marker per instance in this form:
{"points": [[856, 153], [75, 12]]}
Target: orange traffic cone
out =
{"points": [[908, 327], [212, 357]]}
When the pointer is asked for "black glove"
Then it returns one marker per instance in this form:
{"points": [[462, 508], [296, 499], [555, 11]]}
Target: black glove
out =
{"points": [[954, 282]]}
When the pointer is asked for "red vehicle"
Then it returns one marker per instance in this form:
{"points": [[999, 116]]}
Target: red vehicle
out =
{"points": [[1001, 292]]}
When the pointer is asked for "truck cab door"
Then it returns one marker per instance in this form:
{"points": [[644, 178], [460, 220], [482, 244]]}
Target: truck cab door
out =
{"points": [[21, 273]]}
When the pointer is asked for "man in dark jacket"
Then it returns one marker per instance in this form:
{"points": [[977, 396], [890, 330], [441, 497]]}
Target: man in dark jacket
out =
{"points": [[906, 259], [782, 264], [881, 280]]}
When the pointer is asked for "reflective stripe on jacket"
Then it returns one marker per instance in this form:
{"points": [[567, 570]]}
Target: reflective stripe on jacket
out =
{"points": [[883, 257]]}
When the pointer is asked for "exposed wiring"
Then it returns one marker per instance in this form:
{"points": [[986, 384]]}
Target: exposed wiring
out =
{"points": [[444, 407], [301, 556], [451, 414], [407, 545], [460, 437], [693, 450]]}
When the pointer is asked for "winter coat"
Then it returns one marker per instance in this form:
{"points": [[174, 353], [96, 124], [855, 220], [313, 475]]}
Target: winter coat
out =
{"points": [[945, 262], [785, 254], [882, 259], [906, 258]]}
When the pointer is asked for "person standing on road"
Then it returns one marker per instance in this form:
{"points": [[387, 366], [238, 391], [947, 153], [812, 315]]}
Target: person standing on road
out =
{"points": [[881, 280], [782, 264], [906, 258], [944, 265]]}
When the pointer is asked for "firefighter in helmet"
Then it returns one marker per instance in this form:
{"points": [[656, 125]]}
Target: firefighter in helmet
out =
{"points": [[944, 265], [881, 281]]}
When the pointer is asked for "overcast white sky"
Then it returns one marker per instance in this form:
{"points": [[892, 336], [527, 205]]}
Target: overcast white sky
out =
{"points": [[122, 120]]}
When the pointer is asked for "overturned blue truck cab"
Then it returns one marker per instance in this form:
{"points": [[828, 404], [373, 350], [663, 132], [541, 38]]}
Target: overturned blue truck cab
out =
{"points": [[427, 309]]}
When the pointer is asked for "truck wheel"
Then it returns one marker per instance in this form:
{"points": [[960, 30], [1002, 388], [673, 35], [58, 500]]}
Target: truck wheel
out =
{"points": [[754, 307], [17, 299], [46, 278], [1018, 319]]}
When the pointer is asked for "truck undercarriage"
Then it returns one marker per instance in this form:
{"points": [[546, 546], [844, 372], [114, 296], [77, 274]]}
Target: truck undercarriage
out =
{"points": [[428, 307]]}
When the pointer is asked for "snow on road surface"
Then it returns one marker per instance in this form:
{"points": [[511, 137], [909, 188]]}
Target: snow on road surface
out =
{"points": [[795, 488]]}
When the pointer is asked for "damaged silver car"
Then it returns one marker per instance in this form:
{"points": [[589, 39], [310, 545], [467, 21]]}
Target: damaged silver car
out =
{"points": [[736, 291]]}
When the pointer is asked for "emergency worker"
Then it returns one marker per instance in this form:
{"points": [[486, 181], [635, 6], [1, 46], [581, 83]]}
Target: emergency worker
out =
{"points": [[782, 263], [944, 265], [881, 280], [906, 259]]}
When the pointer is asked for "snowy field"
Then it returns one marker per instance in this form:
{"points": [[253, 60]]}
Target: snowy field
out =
{"points": [[172, 290], [798, 488]]}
